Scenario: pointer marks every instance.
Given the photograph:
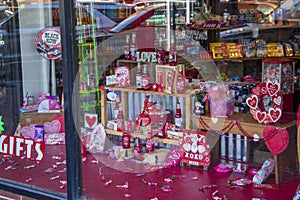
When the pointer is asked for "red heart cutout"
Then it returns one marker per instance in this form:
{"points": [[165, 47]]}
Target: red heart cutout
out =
{"points": [[276, 140], [275, 114], [252, 101], [272, 88], [52, 127], [261, 116], [90, 120]]}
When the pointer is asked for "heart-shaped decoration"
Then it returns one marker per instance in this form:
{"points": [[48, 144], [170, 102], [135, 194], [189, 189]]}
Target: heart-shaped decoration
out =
{"points": [[52, 127], [260, 116], [29, 131], [214, 120], [272, 88], [276, 140], [277, 100], [90, 120], [275, 114], [252, 101]]}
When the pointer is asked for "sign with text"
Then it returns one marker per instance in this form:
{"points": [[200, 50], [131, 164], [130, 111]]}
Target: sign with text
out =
{"points": [[48, 43], [195, 149]]}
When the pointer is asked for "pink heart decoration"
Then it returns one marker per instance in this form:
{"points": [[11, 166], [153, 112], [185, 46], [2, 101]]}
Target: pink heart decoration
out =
{"points": [[272, 88], [276, 140], [28, 131], [261, 116], [275, 114], [52, 127], [252, 101]]}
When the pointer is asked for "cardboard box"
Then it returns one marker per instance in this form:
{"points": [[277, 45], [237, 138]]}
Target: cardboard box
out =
{"points": [[37, 118]]}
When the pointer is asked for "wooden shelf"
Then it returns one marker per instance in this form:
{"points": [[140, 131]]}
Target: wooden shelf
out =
{"points": [[133, 135], [133, 89]]}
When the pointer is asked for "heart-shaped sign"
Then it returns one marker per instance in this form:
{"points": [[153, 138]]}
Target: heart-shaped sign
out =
{"points": [[276, 140], [275, 114], [52, 127], [272, 88], [29, 131], [90, 120], [252, 101], [261, 116]]}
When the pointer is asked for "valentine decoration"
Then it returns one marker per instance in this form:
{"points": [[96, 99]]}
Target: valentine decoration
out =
{"points": [[90, 120], [266, 102], [48, 43], [123, 76], [96, 140], [276, 140], [195, 149], [146, 57], [28, 131], [52, 133]]}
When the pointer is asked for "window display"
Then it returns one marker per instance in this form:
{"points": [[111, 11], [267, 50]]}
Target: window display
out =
{"points": [[144, 101]]}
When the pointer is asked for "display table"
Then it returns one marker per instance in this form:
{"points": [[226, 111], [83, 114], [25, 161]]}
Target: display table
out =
{"points": [[244, 124]]}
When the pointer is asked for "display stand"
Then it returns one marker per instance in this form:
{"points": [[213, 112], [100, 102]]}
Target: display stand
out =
{"points": [[244, 124]]}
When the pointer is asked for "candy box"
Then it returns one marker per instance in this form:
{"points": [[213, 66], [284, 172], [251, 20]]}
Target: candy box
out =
{"points": [[219, 50], [279, 71], [123, 76], [234, 50]]}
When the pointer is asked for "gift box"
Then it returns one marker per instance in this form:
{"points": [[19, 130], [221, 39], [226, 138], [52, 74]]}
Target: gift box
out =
{"points": [[279, 71]]}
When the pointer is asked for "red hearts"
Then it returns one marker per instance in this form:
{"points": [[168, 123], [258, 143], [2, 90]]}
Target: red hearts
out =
{"points": [[275, 114], [90, 120], [52, 127], [276, 140], [261, 116], [272, 88], [252, 101]]}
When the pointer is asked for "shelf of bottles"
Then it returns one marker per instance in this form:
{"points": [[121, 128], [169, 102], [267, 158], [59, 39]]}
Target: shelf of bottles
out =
{"points": [[88, 67]]}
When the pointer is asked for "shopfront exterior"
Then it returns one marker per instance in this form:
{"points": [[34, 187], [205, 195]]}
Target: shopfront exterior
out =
{"points": [[142, 100]]}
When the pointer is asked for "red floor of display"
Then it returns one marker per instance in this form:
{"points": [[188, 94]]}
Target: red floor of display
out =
{"points": [[183, 182]]}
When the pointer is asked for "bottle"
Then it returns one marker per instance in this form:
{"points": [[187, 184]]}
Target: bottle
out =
{"points": [[126, 138], [172, 54], [139, 82], [127, 48], [120, 119], [138, 144], [145, 79], [161, 53], [180, 85], [116, 108], [149, 142], [178, 117], [133, 47], [161, 126]]}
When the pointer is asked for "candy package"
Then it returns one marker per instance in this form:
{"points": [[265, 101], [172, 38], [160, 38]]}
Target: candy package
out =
{"points": [[123, 76]]}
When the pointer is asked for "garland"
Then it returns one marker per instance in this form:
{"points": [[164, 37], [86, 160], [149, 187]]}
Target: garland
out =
{"points": [[230, 125]]}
